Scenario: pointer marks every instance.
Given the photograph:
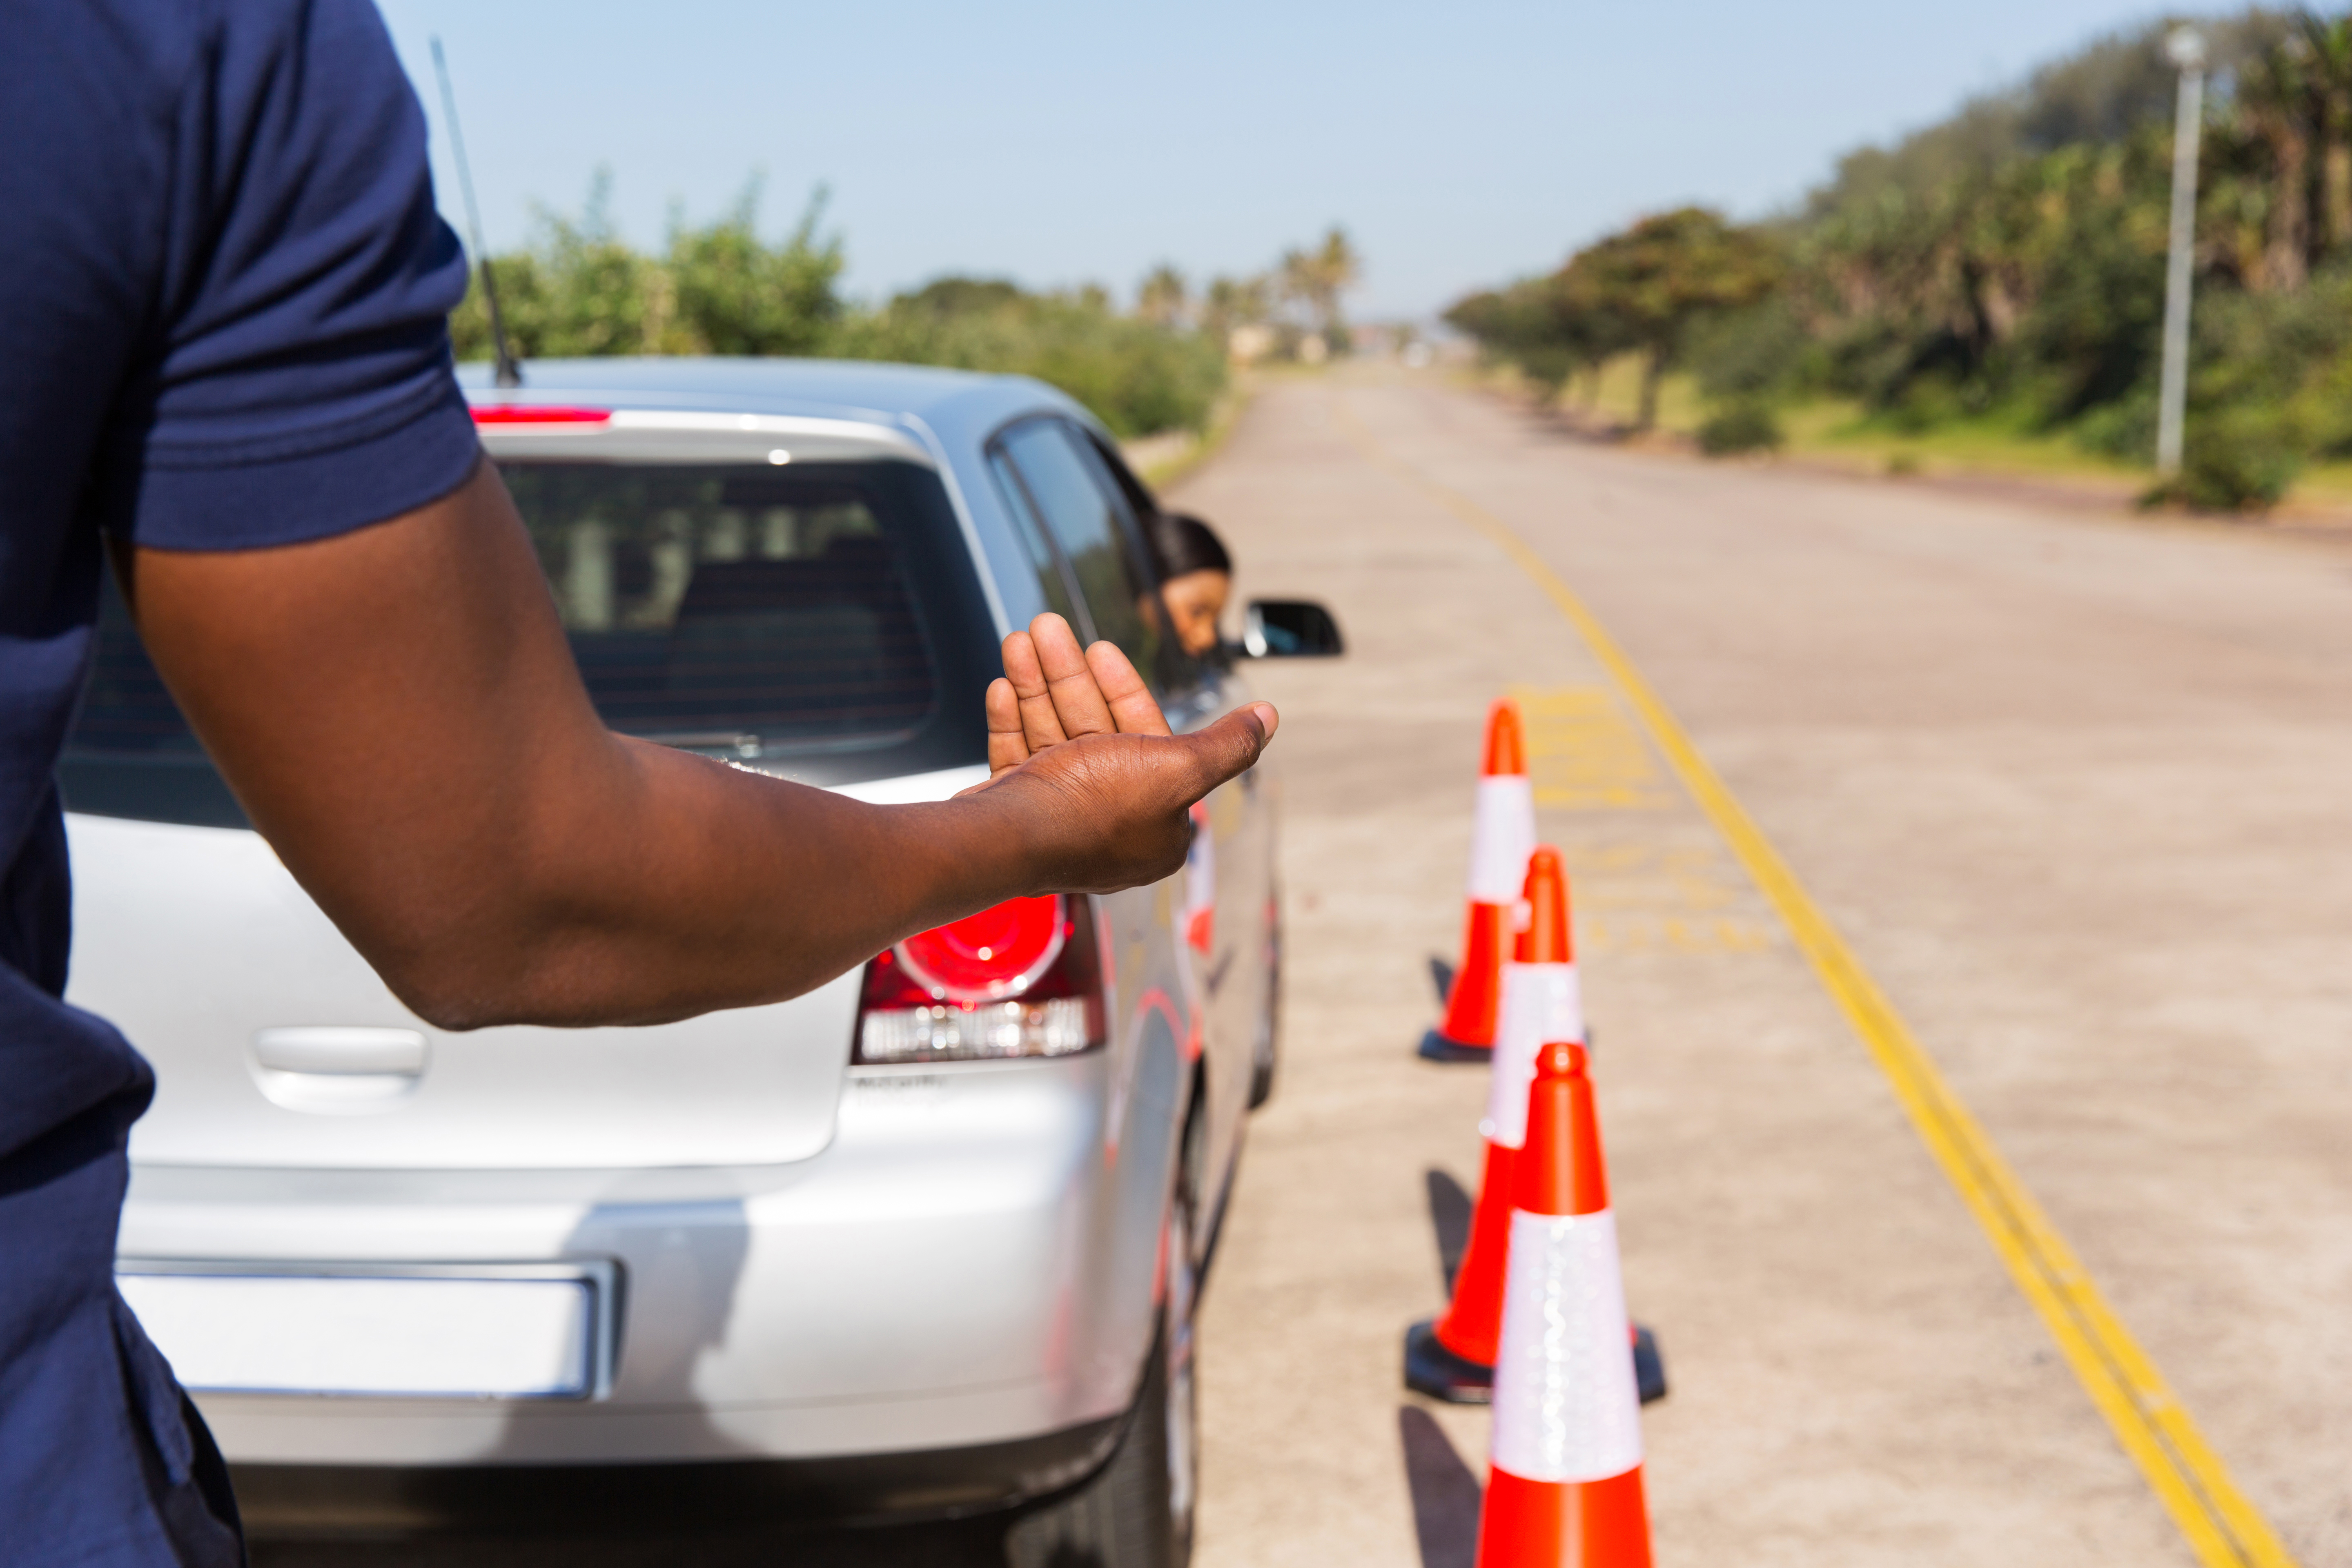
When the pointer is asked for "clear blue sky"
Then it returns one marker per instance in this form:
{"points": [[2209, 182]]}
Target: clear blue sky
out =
{"points": [[1056, 143]]}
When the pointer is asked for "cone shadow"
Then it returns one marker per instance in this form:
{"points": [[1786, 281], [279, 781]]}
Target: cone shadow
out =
{"points": [[1449, 1217], [1441, 974], [1445, 1495]]}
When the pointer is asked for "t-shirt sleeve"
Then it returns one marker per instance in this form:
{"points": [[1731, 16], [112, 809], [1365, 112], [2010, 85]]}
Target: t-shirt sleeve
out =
{"points": [[299, 382]]}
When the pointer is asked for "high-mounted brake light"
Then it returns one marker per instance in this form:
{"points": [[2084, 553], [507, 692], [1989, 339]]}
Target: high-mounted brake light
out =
{"points": [[539, 414], [1023, 979]]}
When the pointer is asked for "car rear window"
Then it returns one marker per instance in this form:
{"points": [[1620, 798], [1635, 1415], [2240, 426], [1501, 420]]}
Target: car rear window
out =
{"points": [[822, 622]]}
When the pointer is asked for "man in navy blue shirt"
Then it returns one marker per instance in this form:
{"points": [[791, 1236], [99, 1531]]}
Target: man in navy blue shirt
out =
{"points": [[224, 363]]}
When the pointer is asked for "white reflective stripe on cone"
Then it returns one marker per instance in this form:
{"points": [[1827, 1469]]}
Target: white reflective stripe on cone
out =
{"points": [[1540, 1005], [1565, 1405], [1502, 837]]}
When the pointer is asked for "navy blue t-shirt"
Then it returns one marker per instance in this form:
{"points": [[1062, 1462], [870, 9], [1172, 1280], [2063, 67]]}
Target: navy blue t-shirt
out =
{"points": [[223, 299]]}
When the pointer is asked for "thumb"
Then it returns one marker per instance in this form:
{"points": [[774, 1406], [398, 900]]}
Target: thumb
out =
{"points": [[1229, 746]]}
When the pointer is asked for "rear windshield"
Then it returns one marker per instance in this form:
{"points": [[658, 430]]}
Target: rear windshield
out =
{"points": [[822, 622]]}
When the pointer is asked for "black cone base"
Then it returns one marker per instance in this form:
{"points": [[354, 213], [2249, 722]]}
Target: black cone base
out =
{"points": [[1430, 1368], [1436, 1047], [1649, 1367]]}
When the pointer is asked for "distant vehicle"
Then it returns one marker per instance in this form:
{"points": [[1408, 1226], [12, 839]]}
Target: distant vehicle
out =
{"points": [[924, 1240]]}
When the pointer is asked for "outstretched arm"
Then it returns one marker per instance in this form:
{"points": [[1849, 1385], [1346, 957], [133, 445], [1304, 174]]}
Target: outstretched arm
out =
{"points": [[399, 713]]}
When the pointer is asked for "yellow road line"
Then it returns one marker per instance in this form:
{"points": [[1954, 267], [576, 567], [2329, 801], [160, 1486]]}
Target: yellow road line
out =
{"points": [[2224, 1529]]}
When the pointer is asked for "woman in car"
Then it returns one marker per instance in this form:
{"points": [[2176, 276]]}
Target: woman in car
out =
{"points": [[1196, 578]]}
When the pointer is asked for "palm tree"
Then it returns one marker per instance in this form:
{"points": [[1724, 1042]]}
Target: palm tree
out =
{"points": [[2329, 46], [1163, 297], [1316, 278], [1232, 302], [2275, 98]]}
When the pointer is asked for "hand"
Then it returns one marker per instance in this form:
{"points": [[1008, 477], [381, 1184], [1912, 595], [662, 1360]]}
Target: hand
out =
{"points": [[1052, 692], [1076, 736]]}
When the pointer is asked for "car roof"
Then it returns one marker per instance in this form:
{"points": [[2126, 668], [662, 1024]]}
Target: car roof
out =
{"points": [[949, 401]]}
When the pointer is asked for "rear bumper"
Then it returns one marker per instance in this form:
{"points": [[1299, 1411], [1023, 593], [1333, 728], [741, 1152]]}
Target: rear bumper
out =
{"points": [[968, 1270], [715, 1497]]}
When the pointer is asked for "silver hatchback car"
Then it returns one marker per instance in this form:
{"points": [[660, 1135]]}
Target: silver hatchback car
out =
{"points": [[924, 1240]]}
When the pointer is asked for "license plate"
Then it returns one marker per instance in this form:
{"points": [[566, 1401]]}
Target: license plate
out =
{"points": [[528, 1333]]}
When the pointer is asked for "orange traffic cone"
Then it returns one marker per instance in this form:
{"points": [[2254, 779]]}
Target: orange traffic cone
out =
{"points": [[1453, 1357], [1565, 1488], [1501, 836]]}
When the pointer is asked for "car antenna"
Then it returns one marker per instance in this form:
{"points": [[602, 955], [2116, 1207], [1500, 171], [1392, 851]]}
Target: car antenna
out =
{"points": [[509, 370]]}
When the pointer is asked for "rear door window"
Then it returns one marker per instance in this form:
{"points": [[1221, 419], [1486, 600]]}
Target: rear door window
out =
{"points": [[1053, 572], [1140, 501], [822, 623], [1089, 520]]}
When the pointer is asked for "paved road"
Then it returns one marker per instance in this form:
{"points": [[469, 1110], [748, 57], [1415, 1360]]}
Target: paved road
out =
{"points": [[2074, 788]]}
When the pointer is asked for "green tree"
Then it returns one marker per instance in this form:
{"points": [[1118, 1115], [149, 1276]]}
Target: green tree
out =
{"points": [[1532, 325], [1649, 285]]}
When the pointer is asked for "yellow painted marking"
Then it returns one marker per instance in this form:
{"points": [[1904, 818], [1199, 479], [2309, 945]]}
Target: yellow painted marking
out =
{"points": [[1659, 898], [2224, 1529], [1582, 755], [1670, 934]]}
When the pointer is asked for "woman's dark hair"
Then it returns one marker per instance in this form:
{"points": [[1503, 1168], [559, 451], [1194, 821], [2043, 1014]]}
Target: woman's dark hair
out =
{"points": [[1186, 544]]}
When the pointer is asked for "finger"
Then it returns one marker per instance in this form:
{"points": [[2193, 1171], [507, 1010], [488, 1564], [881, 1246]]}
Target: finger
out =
{"points": [[1227, 748], [1132, 707], [1077, 700], [1040, 727], [1008, 746]]}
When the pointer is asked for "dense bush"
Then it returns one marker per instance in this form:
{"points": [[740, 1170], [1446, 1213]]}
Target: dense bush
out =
{"points": [[1756, 353], [2232, 462], [577, 289], [1136, 375], [1742, 428]]}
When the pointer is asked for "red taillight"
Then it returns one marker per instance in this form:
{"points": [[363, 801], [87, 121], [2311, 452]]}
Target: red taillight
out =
{"points": [[539, 414], [984, 957], [1023, 979]]}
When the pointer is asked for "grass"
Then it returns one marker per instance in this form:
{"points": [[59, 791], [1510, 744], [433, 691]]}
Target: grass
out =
{"points": [[2325, 484], [1617, 398], [1841, 431]]}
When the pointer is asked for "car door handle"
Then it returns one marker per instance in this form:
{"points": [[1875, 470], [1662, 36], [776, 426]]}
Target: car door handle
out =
{"points": [[331, 1071], [340, 1051]]}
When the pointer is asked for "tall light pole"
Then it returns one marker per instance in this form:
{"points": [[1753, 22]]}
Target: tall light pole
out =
{"points": [[2186, 48]]}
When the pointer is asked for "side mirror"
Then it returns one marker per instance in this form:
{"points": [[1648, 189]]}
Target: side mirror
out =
{"points": [[1290, 628]]}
